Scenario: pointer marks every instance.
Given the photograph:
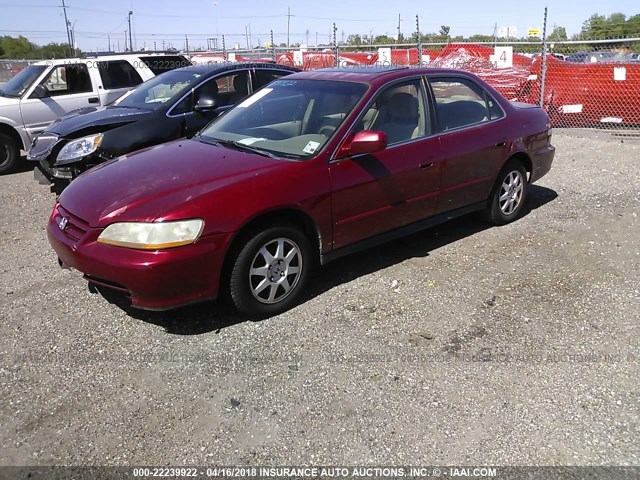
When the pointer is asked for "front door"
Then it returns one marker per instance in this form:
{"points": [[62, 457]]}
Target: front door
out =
{"points": [[398, 186], [68, 88]]}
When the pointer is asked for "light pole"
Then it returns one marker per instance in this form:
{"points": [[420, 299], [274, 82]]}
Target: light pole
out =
{"points": [[215, 4]]}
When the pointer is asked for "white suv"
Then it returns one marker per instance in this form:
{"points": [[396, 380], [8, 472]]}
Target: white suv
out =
{"points": [[47, 90]]}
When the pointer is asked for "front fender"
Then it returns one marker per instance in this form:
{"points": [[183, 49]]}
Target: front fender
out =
{"points": [[139, 135]]}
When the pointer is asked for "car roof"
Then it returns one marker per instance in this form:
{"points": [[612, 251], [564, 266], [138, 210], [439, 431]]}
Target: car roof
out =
{"points": [[98, 58], [224, 66], [374, 73]]}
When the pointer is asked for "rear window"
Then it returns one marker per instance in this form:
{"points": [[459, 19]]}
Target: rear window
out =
{"points": [[163, 63], [118, 74]]}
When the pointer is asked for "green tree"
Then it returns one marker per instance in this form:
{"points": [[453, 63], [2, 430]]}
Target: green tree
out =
{"points": [[559, 34], [17, 47]]}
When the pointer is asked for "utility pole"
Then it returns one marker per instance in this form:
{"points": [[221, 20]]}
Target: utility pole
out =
{"points": [[73, 40], [130, 41], [186, 43], [251, 38], [66, 22], [109, 39], [288, 24], [246, 35], [316, 39], [125, 41], [399, 20]]}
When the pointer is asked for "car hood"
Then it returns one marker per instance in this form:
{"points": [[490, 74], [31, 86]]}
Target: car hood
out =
{"points": [[151, 183], [96, 116], [8, 101]]}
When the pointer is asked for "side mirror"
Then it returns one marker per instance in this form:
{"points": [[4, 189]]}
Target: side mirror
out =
{"points": [[205, 104], [367, 141], [40, 92]]}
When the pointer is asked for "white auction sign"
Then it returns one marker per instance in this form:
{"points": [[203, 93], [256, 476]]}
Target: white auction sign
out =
{"points": [[384, 56], [502, 57]]}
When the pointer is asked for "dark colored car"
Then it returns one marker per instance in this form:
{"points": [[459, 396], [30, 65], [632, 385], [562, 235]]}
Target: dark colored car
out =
{"points": [[312, 167], [172, 105]]}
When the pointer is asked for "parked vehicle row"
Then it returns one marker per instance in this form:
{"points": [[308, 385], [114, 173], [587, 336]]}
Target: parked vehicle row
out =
{"points": [[175, 104], [45, 91], [309, 168]]}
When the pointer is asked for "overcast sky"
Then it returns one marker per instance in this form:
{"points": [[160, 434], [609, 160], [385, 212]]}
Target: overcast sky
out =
{"points": [[168, 21]]}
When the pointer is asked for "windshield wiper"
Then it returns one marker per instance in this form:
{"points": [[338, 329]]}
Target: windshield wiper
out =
{"points": [[239, 146]]}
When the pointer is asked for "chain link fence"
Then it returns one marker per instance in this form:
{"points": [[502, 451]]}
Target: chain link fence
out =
{"points": [[8, 68], [580, 84], [592, 83]]}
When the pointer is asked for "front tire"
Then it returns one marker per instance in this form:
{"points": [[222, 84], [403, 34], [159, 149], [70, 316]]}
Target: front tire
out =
{"points": [[9, 154], [508, 195], [271, 271]]}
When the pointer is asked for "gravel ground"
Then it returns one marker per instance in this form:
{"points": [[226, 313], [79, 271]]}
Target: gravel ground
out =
{"points": [[464, 344]]}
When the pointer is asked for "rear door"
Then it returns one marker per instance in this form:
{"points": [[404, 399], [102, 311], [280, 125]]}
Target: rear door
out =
{"points": [[472, 140], [68, 87], [116, 78], [375, 193]]}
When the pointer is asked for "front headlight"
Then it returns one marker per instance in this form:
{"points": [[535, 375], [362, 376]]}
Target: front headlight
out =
{"points": [[76, 149], [152, 236]]}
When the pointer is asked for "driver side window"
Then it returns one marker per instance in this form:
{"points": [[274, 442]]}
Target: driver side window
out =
{"points": [[399, 111], [68, 79], [209, 89]]}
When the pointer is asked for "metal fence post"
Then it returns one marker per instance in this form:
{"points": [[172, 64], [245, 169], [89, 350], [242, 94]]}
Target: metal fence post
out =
{"points": [[273, 49], [543, 68], [335, 45], [419, 41]]}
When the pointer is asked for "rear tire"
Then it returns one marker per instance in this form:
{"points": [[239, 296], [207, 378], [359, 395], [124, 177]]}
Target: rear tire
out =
{"points": [[9, 154], [271, 271], [509, 194]]}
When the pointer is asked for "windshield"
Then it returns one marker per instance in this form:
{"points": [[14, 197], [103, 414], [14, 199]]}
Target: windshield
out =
{"points": [[22, 81], [159, 90], [289, 118]]}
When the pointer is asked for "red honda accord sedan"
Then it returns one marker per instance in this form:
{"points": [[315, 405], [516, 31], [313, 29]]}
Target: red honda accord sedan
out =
{"points": [[307, 169]]}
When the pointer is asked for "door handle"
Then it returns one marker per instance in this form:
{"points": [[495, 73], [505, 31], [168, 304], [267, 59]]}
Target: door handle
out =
{"points": [[94, 100], [501, 144], [426, 165]]}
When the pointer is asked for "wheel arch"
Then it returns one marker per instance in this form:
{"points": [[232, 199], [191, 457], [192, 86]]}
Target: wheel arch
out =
{"points": [[13, 133], [524, 159], [285, 215]]}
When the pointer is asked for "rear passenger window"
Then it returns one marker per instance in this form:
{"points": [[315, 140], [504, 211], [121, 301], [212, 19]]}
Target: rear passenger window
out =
{"points": [[460, 102], [118, 74], [266, 76], [163, 63]]}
